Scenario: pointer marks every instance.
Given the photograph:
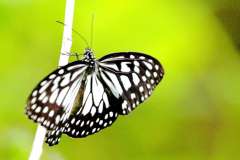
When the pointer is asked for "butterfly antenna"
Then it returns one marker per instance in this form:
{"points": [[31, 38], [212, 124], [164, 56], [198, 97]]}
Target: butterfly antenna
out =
{"points": [[92, 30], [76, 32]]}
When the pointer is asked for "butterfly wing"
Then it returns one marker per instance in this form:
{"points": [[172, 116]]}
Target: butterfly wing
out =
{"points": [[98, 109], [131, 76], [52, 100]]}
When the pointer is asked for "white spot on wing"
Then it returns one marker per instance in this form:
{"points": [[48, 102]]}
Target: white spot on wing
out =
{"points": [[136, 63], [148, 73], [105, 124], [149, 66], [77, 73], [132, 56], [100, 122], [34, 93], [112, 66], [45, 99], [124, 67], [152, 81], [110, 85], [133, 95], [54, 96], [56, 80], [78, 122], [88, 105], [115, 82], [70, 98], [97, 89], [44, 87], [62, 95], [91, 124], [141, 57], [45, 109], [106, 116], [124, 105], [136, 69], [150, 60], [141, 89], [75, 66], [73, 120], [125, 81], [82, 123], [148, 86], [33, 106], [42, 96], [113, 58], [66, 79], [105, 99], [144, 78], [51, 113], [155, 74], [61, 71], [136, 79], [93, 111], [57, 119], [52, 76], [38, 109], [94, 130], [34, 100], [43, 82], [54, 87], [100, 108]]}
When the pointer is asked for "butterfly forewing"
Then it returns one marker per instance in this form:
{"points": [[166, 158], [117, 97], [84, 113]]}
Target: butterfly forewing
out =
{"points": [[52, 99], [132, 76]]}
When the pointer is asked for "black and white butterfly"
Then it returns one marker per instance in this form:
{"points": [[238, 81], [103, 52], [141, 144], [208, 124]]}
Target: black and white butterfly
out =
{"points": [[87, 95]]}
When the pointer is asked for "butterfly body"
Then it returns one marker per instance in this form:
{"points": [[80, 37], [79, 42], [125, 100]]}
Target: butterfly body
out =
{"points": [[87, 95]]}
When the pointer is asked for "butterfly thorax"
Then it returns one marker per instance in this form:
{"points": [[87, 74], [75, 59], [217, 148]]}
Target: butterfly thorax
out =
{"points": [[89, 57]]}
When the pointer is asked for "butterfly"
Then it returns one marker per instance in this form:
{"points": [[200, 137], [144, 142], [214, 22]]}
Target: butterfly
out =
{"points": [[87, 95]]}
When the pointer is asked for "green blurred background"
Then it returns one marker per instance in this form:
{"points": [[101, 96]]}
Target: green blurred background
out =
{"points": [[193, 114]]}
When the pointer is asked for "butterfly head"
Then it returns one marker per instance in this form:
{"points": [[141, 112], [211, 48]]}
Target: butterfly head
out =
{"points": [[89, 57], [88, 54]]}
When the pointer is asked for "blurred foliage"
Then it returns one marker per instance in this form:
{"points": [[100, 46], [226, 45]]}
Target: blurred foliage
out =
{"points": [[193, 114]]}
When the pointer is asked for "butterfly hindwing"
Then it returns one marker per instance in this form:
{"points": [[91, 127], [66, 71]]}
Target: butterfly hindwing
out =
{"points": [[132, 76], [98, 109]]}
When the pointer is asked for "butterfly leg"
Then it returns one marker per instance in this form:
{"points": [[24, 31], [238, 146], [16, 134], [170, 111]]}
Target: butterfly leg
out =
{"points": [[72, 54], [53, 136]]}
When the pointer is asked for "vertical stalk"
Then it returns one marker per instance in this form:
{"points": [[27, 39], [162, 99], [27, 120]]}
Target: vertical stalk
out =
{"points": [[67, 33], [63, 60]]}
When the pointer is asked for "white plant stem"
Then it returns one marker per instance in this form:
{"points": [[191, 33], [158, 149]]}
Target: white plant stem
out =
{"points": [[67, 33], [38, 142], [63, 60]]}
